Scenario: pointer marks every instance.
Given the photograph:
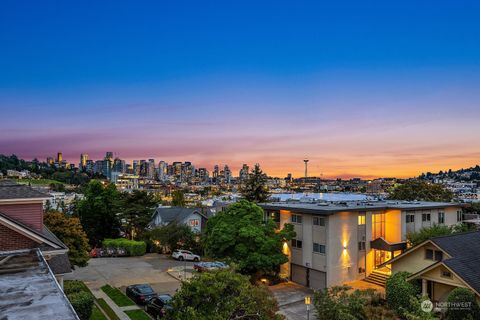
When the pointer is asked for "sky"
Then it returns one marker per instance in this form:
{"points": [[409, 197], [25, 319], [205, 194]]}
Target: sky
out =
{"points": [[360, 88]]}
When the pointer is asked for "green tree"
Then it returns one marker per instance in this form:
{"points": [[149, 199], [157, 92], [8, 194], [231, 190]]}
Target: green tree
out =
{"points": [[255, 187], [223, 295], [98, 211], [465, 298], [69, 231], [242, 234], [400, 293], [415, 238], [178, 198], [175, 236], [137, 209], [420, 190]]}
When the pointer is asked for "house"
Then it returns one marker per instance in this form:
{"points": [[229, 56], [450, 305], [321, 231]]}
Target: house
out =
{"points": [[443, 264], [29, 290], [195, 218], [339, 242], [21, 227]]}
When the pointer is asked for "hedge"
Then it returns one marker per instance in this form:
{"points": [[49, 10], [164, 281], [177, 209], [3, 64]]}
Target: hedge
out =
{"points": [[134, 248], [72, 286], [465, 298], [80, 298]]}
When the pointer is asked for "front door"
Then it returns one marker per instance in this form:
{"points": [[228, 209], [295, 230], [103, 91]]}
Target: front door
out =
{"points": [[381, 256]]}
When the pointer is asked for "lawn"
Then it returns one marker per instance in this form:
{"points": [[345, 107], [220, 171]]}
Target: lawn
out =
{"points": [[105, 307], [97, 314], [137, 315], [37, 181], [117, 296]]}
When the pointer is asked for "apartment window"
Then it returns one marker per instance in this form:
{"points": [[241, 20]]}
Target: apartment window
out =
{"points": [[319, 248], [296, 218], [410, 218], [459, 216], [426, 217], [433, 255], [378, 225], [446, 274], [441, 217], [361, 270], [194, 222], [361, 219], [296, 243], [319, 221], [361, 245]]}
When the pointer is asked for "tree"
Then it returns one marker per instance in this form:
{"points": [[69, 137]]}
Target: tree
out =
{"points": [[178, 198], [420, 190], [400, 294], [98, 211], [174, 236], [69, 231], [243, 234], [465, 298], [222, 295], [415, 238], [255, 187], [137, 209]]}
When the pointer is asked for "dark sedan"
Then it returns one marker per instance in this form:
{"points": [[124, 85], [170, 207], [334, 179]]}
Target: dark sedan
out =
{"points": [[157, 307], [140, 293]]}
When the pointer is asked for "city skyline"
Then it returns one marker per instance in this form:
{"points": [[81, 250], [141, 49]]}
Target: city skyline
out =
{"points": [[356, 89]]}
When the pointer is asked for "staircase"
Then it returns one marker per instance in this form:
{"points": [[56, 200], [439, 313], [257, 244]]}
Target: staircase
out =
{"points": [[378, 278]]}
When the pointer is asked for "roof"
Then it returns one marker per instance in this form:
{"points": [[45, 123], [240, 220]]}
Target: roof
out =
{"points": [[60, 264], [11, 190], [179, 214], [332, 207], [45, 234], [29, 290]]}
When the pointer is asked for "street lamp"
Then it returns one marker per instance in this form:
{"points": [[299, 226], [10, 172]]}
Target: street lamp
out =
{"points": [[308, 301]]}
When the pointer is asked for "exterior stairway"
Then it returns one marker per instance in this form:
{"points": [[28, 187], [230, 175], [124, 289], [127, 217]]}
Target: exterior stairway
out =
{"points": [[378, 278]]}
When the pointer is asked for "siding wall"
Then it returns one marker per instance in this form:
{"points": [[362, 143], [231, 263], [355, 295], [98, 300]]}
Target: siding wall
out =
{"points": [[12, 240], [30, 214]]}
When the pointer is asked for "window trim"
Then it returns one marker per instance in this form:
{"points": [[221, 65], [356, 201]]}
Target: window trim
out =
{"points": [[319, 219], [319, 246], [297, 216]]}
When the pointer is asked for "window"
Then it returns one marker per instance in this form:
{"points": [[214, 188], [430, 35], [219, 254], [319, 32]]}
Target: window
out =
{"points": [[296, 218], [361, 219], [446, 274], [438, 255], [410, 217], [318, 248], [194, 222], [425, 217], [319, 221], [361, 245], [429, 254], [441, 217], [378, 225], [296, 243], [459, 216], [433, 255]]}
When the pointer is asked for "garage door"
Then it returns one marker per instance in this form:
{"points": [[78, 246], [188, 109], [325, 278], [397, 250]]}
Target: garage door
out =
{"points": [[318, 279], [299, 274]]}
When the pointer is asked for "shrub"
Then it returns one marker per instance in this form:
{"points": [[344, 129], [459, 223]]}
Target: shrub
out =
{"points": [[134, 248], [468, 309], [82, 302], [399, 293], [72, 286]]}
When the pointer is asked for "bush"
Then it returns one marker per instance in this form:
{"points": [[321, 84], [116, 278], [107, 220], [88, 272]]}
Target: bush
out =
{"points": [[399, 293], [73, 286], [465, 298], [134, 248], [82, 302]]}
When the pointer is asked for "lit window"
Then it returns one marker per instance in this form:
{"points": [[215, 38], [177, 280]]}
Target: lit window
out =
{"points": [[361, 219]]}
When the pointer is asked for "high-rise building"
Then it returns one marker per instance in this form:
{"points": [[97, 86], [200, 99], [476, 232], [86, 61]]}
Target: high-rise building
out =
{"points": [[119, 165], [151, 168], [136, 167], [202, 174], [59, 157], [227, 174], [50, 160], [244, 172], [109, 155], [216, 174], [162, 171], [89, 166], [83, 161]]}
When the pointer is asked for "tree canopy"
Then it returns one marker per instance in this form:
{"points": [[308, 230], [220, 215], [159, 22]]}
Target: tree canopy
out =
{"points": [[255, 187], [420, 190], [223, 295], [414, 238], [174, 236], [69, 231], [136, 212], [465, 297], [242, 234]]}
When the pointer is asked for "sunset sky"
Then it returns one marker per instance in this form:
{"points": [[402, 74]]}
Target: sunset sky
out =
{"points": [[362, 88]]}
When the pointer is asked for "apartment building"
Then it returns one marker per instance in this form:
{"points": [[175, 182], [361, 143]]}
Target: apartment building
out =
{"points": [[339, 242]]}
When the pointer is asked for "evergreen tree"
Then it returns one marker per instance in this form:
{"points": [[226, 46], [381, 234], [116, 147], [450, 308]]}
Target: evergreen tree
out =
{"points": [[255, 187]]}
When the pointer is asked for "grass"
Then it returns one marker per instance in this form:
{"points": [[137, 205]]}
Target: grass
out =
{"points": [[105, 307], [97, 314], [38, 181], [137, 315], [117, 296]]}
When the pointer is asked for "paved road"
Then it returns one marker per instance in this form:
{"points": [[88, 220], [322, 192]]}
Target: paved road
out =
{"points": [[291, 300], [121, 272]]}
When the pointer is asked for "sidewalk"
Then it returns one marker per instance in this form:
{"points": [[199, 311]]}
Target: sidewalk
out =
{"points": [[119, 311], [181, 273]]}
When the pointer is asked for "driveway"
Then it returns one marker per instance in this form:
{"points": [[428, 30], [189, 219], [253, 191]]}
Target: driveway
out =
{"points": [[291, 300], [121, 272]]}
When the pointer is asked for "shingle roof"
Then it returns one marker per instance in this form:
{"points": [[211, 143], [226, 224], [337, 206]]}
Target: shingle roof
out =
{"points": [[169, 214], [59, 264], [11, 190]]}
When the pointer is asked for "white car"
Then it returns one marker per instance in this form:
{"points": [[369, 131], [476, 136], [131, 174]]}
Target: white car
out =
{"points": [[185, 255]]}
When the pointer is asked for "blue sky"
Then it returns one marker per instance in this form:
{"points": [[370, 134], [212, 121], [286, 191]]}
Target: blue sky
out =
{"points": [[349, 84]]}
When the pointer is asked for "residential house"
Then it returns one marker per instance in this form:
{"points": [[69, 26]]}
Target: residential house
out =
{"points": [[339, 242], [195, 218]]}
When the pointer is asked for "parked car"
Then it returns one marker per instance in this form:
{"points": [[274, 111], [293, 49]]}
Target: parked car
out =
{"points": [[140, 293], [185, 255], [209, 266], [158, 306]]}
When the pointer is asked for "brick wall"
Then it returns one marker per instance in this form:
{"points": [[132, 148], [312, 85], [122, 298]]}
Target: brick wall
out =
{"points": [[30, 214], [12, 240]]}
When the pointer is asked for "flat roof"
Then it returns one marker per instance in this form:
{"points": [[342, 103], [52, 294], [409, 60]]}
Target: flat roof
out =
{"points": [[331, 207], [29, 290]]}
